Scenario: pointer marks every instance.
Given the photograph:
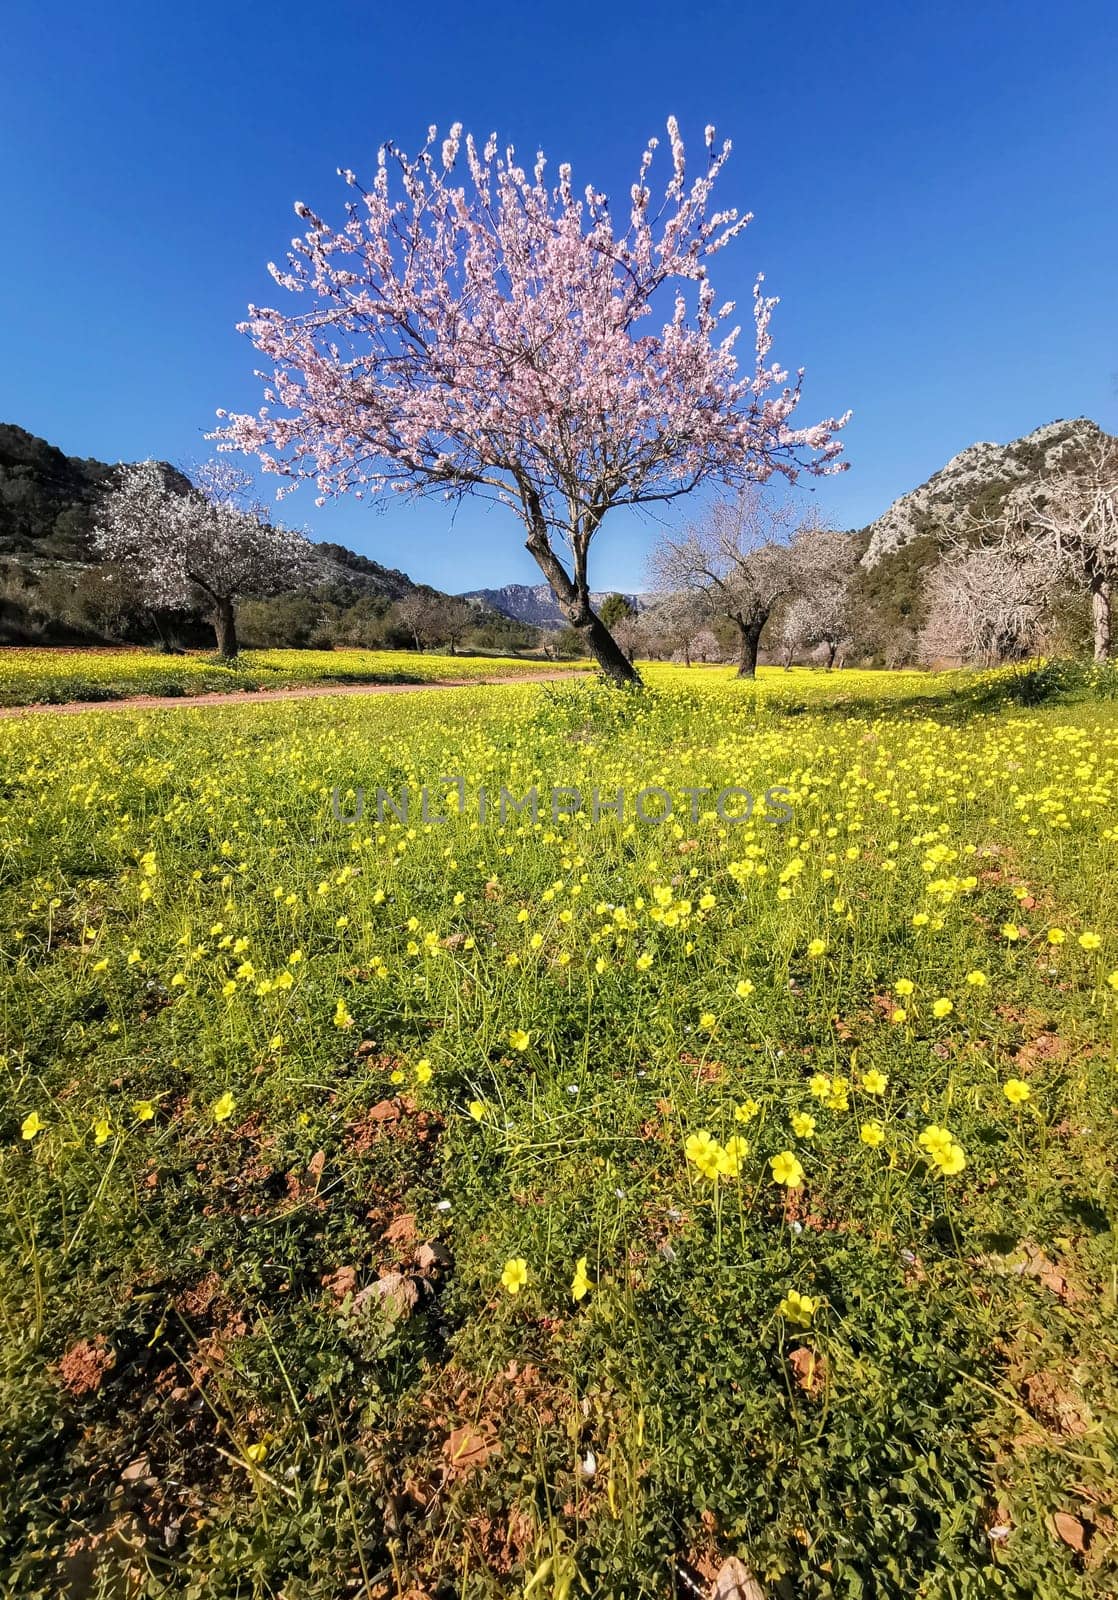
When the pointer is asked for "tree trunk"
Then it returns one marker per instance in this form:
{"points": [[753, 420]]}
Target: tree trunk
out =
{"points": [[608, 653], [832, 652], [225, 627], [750, 644], [574, 602], [1100, 617]]}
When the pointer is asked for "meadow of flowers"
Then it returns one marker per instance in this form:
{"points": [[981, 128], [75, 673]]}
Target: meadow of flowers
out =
{"points": [[487, 1209], [51, 677]]}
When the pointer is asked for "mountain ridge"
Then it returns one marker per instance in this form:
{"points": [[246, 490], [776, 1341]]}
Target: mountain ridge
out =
{"points": [[534, 604], [48, 507]]}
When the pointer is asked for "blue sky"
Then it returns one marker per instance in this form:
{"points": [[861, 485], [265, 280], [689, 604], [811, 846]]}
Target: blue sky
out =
{"points": [[934, 190]]}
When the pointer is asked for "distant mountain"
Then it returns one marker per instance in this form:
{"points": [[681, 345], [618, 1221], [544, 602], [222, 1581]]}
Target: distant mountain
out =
{"points": [[534, 604], [339, 567]]}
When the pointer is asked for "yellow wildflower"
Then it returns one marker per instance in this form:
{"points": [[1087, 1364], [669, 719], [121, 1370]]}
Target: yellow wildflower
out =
{"points": [[222, 1108], [515, 1275], [798, 1308], [581, 1281], [786, 1170]]}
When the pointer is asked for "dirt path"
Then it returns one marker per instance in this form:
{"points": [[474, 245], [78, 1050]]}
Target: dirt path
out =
{"points": [[311, 691]]}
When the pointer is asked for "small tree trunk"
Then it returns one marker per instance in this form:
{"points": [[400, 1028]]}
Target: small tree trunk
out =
{"points": [[1100, 617], [750, 644], [225, 627], [608, 653], [832, 651]]}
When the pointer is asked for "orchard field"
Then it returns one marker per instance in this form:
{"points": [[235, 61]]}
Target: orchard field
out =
{"points": [[496, 1208]]}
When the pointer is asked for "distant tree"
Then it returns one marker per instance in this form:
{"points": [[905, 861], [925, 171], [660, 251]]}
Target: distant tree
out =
{"points": [[746, 557], [826, 565], [285, 622], [615, 608], [453, 620], [485, 334], [567, 643], [674, 622], [628, 632], [794, 629], [420, 613], [705, 646], [208, 547], [988, 604], [1070, 518], [819, 614]]}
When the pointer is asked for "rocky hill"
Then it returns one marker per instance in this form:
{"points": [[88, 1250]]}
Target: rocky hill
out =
{"points": [[47, 499], [901, 547], [974, 484]]}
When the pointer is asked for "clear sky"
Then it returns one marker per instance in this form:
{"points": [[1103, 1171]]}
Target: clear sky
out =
{"points": [[934, 188]]}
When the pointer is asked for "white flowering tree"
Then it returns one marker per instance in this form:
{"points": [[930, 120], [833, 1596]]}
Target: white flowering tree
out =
{"points": [[747, 557], [795, 629], [989, 604], [1069, 521], [471, 329], [206, 547], [826, 564]]}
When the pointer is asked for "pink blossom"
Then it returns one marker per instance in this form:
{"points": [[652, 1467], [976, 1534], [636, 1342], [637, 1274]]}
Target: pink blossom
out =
{"points": [[491, 335]]}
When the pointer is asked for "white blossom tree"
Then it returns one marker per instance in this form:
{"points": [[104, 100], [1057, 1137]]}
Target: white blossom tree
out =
{"points": [[742, 561], [672, 624], [825, 564], [989, 603], [206, 547], [629, 632], [1071, 518], [794, 630]]}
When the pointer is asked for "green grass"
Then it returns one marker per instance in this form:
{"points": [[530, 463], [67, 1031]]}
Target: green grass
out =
{"points": [[269, 1353], [51, 677]]}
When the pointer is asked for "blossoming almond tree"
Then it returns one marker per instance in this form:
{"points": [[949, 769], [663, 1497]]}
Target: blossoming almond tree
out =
{"points": [[480, 332], [205, 546]]}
